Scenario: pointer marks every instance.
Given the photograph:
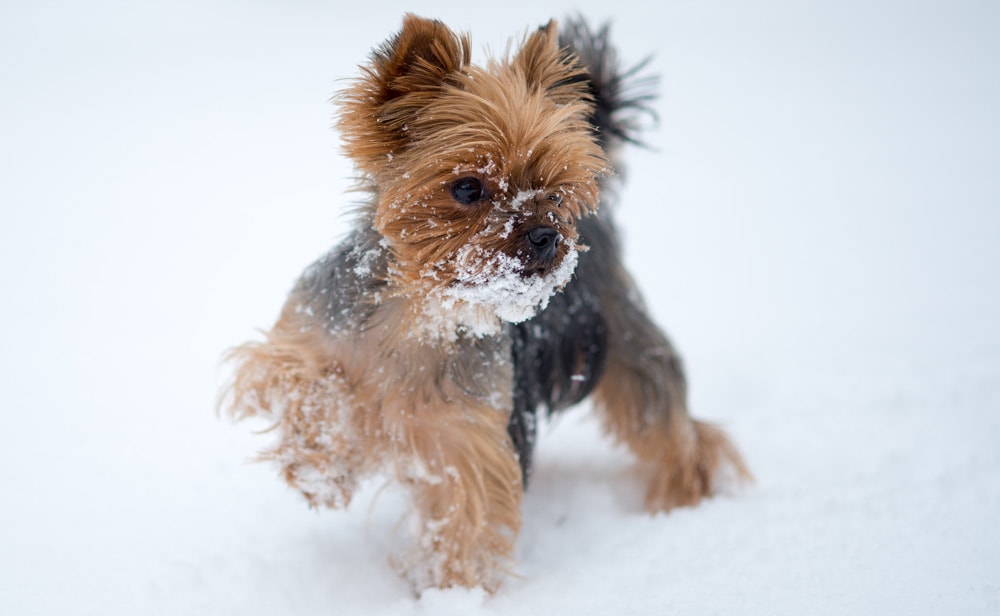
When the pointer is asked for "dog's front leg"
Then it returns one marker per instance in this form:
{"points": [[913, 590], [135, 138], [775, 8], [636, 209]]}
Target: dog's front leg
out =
{"points": [[466, 482]]}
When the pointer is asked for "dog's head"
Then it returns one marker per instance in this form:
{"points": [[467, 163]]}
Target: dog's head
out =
{"points": [[479, 173]]}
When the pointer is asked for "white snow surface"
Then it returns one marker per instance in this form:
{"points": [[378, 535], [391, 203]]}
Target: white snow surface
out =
{"points": [[816, 224]]}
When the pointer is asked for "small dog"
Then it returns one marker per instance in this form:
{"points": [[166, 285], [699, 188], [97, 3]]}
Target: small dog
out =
{"points": [[479, 286]]}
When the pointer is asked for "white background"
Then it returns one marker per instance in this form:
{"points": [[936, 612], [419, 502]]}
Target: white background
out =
{"points": [[817, 225]]}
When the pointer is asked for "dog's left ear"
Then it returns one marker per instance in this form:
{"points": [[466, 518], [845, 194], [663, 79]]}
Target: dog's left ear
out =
{"points": [[550, 68]]}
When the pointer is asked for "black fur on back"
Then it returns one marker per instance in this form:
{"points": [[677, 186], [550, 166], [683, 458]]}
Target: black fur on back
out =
{"points": [[559, 354]]}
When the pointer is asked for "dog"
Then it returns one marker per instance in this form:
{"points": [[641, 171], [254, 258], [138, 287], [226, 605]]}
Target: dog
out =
{"points": [[482, 284]]}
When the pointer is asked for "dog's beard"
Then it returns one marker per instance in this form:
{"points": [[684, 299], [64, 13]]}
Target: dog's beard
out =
{"points": [[490, 288]]}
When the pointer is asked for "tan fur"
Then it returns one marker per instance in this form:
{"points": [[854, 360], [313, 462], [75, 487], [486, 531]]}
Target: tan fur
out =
{"points": [[376, 376], [344, 409], [419, 118], [642, 400], [681, 458], [467, 488], [423, 117]]}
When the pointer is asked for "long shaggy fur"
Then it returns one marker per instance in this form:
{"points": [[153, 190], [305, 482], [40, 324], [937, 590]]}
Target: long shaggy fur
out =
{"points": [[477, 290]]}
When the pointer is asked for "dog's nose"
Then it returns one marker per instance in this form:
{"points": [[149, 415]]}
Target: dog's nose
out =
{"points": [[543, 242]]}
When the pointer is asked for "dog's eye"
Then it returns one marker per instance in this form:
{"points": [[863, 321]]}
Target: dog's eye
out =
{"points": [[555, 198], [467, 191]]}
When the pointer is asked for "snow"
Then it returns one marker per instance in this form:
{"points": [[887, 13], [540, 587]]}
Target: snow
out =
{"points": [[493, 283], [816, 225]]}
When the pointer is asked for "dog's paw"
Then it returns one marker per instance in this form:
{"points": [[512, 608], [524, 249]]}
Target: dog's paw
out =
{"points": [[322, 484], [701, 462]]}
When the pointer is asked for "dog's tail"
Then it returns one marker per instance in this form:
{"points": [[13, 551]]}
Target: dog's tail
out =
{"points": [[623, 98]]}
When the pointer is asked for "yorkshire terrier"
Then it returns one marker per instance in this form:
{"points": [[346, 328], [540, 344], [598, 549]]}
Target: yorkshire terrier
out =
{"points": [[481, 284]]}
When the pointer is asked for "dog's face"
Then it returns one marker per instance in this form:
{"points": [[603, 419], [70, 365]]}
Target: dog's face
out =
{"points": [[479, 173]]}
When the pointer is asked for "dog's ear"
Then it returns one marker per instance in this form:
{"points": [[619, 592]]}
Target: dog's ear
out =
{"points": [[546, 66], [404, 76], [420, 58]]}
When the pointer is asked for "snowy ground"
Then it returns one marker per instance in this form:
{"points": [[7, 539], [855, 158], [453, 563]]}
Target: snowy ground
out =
{"points": [[818, 228]]}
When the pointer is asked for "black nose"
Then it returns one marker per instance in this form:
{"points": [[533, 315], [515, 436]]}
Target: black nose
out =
{"points": [[543, 242]]}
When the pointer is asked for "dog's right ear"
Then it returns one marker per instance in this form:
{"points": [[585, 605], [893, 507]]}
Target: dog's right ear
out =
{"points": [[405, 74], [419, 58]]}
